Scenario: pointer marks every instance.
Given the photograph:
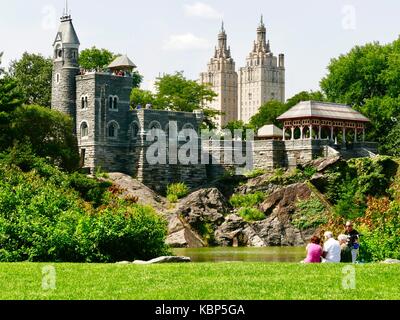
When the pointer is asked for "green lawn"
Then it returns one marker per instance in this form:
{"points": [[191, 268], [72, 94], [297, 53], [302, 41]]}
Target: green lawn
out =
{"points": [[217, 281]]}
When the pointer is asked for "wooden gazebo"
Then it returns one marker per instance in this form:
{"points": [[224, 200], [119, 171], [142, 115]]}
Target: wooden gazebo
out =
{"points": [[312, 117]]}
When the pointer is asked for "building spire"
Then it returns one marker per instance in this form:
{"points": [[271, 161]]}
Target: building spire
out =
{"points": [[66, 13], [222, 27]]}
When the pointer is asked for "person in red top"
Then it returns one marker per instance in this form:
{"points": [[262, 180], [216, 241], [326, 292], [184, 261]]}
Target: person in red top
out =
{"points": [[314, 251]]}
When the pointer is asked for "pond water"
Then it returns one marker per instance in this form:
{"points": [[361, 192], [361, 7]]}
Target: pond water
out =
{"points": [[269, 254]]}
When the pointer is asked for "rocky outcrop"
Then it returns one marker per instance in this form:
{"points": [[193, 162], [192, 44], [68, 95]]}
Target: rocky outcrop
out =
{"points": [[322, 164], [276, 229], [206, 206], [131, 188]]}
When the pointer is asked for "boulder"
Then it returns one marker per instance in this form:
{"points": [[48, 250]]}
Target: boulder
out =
{"points": [[322, 164], [277, 229], [184, 238], [260, 183], [204, 206], [168, 259], [231, 231], [131, 188], [391, 261]]}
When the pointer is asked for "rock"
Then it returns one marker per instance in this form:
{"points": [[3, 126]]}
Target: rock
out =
{"points": [[322, 164], [277, 229], [391, 261], [258, 184], [184, 238], [320, 181], [230, 230], [204, 206], [123, 263], [132, 188], [161, 260]]}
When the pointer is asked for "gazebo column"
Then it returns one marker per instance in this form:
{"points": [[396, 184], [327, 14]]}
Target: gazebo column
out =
{"points": [[355, 135], [332, 134], [311, 132], [292, 133], [344, 135], [363, 134], [320, 133], [301, 133], [284, 133]]}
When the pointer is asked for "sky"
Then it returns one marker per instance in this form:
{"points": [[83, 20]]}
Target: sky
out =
{"points": [[164, 36]]}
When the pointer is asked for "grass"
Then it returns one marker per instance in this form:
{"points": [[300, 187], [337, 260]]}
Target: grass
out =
{"points": [[216, 281]]}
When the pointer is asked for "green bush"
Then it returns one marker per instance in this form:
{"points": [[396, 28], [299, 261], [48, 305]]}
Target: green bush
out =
{"points": [[310, 214], [251, 214], [247, 200], [180, 190], [255, 173], [44, 219], [172, 198]]}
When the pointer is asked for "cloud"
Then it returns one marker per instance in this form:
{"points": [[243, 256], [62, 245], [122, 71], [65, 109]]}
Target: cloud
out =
{"points": [[187, 41], [202, 10]]}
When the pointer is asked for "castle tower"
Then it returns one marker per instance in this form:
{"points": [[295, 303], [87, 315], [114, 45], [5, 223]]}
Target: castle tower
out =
{"points": [[223, 78], [263, 77], [65, 67]]}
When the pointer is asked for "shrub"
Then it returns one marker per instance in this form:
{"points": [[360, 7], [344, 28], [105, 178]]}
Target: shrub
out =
{"points": [[251, 214], [172, 198], [255, 173], [248, 200], [45, 219], [310, 214], [180, 190]]}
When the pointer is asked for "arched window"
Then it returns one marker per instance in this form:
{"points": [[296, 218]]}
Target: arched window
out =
{"points": [[134, 130], [84, 130], [113, 103], [113, 128], [83, 103], [154, 125]]}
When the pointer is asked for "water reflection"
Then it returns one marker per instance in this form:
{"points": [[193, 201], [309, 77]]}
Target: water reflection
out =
{"points": [[270, 254]]}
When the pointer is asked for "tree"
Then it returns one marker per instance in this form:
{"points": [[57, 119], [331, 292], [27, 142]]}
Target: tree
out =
{"points": [[137, 79], [10, 99], [176, 93], [1, 69], [49, 133], [305, 96], [142, 97], [33, 74], [368, 79], [99, 59], [95, 59], [238, 125], [392, 145], [267, 114]]}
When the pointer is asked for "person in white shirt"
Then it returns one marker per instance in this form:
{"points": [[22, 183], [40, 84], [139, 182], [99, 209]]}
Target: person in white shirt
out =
{"points": [[331, 249]]}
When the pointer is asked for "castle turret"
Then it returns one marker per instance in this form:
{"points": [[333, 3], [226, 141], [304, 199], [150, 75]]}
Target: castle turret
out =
{"points": [[65, 67]]}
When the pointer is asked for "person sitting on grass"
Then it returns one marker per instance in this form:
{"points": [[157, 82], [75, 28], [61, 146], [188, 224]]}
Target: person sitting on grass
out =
{"points": [[345, 255], [331, 249], [314, 251]]}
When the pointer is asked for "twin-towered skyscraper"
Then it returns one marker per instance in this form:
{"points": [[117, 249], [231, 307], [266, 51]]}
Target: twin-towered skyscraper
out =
{"points": [[241, 94]]}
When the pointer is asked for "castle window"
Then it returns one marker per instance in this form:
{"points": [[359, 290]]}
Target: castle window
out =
{"points": [[57, 78], [84, 130], [113, 130], [86, 103], [113, 103], [134, 130], [83, 103], [155, 125]]}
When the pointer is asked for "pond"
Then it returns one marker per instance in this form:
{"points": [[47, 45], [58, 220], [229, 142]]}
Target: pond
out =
{"points": [[269, 254]]}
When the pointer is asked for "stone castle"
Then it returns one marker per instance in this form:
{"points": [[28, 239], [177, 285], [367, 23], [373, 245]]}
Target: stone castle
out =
{"points": [[112, 136], [261, 80]]}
